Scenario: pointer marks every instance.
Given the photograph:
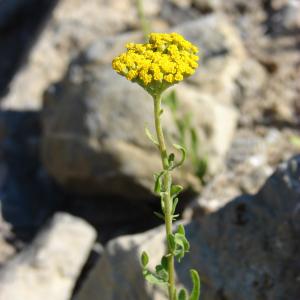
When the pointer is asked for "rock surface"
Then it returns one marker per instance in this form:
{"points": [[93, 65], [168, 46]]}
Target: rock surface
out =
{"points": [[100, 146], [50, 266], [222, 55], [73, 25], [246, 250], [251, 159], [7, 250], [20, 21]]}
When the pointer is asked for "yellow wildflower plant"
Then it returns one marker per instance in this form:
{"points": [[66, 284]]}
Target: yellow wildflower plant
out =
{"points": [[165, 60]]}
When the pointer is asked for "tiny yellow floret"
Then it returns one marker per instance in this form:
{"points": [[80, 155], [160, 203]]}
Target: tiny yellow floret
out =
{"points": [[165, 60]]}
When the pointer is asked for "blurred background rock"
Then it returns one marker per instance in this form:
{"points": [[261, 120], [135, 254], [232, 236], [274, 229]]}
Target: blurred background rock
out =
{"points": [[76, 169]]}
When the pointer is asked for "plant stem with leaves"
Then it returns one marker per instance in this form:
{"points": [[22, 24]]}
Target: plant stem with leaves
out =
{"points": [[157, 65], [177, 244], [166, 188]]}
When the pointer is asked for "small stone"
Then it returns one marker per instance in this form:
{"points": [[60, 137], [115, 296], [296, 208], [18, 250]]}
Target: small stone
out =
{"points": [[49, 267]]}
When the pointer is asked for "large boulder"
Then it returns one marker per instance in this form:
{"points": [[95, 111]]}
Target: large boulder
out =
{"points": [[222, 55], [73, 25], [247, 250], [94, 137], [93, 119], [50, 266]]}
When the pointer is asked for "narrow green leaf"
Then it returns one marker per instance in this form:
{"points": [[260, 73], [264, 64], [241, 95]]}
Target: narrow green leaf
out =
{"points": [[201, 167], [182, 240], [196, 285], [174, 296], [171, 101], [157, 184], [174, 205], [159, 215], [182, 294], [144, 259], [182, 131], [174, 217], [150, 137], [180, 229], [176, 190], [171, 159], [171, 242], [179, 254], [194, 140], [183, 155], [164, 262], [163, 195], [162, 203], [187, 119]]}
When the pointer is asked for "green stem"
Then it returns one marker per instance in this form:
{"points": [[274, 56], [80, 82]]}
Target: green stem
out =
{"points": [[144, 23], [167, 180]]}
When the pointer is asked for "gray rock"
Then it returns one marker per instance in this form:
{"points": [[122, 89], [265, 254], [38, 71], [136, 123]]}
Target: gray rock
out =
{"points": [[7, 250], [94, 139], [207, 6], [251, 80], [50, 266], [291, 15], [184, 4], [222, 55], [251, 159], [215, 123], [73, 25], [247, 250]]}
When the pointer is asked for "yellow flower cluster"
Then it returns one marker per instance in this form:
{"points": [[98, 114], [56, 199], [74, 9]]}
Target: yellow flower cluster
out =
{"points": [[166, 59]]}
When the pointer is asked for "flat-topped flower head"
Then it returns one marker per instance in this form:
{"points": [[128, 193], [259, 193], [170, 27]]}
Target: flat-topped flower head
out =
{"points": [[165, 60]]}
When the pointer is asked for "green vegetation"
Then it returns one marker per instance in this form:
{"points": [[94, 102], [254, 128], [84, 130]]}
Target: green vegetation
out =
{"points": [[187, 135]]}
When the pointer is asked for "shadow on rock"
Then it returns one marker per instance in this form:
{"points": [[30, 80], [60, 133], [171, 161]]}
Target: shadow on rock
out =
{"points": [[28, 195]]}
